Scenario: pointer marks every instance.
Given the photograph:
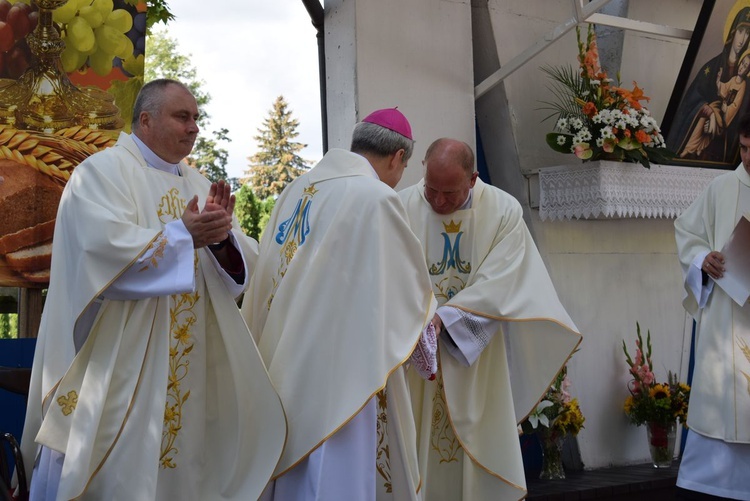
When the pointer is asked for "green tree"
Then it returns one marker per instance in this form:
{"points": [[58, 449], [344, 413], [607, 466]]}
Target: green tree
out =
{"points": [[252, 213], [277, 161], [163, 60], [158, 12], [267, 208], [8, 325], [248, 210]]}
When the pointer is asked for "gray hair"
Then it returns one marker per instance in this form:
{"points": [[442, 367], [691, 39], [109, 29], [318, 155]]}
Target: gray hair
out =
{"points": [[375, 139], [151, 98]]}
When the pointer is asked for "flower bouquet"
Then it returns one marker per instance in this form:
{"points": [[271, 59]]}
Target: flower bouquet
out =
{"points": [[597, 119], [554, 417], [657, 405]]}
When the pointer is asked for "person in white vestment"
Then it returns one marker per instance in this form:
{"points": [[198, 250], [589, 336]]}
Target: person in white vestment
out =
{"points": [[146, 383], [503, 333], [339, 301], [716, 457]]}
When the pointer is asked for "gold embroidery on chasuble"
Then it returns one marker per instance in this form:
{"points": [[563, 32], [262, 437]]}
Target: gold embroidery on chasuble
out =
{"points": [[155, 253], [291, 235], [171, 206], [746, 352], [68, 402], [383, 458], [442, 438], [182, 319], [450, 274]]}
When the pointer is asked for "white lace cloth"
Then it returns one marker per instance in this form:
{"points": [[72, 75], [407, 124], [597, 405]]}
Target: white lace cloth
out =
{"points": [[604, 189], [424, 356]]}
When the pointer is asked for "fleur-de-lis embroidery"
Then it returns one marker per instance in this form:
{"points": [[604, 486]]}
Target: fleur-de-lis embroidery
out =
{"points": [[68, 402]]}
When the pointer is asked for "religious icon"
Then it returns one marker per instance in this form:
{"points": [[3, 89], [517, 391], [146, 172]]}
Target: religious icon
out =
{"points": [[702, 118]]}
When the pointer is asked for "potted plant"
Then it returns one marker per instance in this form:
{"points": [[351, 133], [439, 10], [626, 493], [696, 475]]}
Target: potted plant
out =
{"points": [[657, 405], [556, 415], [597, 118]]}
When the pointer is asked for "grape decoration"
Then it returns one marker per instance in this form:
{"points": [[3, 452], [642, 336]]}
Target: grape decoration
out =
{"points": [[16, 21]]}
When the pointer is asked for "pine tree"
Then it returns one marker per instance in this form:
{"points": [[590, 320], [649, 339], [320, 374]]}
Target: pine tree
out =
{"points": [[277, 161]]}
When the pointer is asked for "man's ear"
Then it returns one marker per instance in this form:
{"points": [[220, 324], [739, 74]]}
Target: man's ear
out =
{"points": [[397, 159], [474, 176], [144, 119]]}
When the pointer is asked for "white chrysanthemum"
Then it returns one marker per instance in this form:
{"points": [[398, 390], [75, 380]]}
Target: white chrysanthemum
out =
{"points": [[600, 142], [576, 123], [584, 135], [596, 82], [561, 140], [606, 132]]}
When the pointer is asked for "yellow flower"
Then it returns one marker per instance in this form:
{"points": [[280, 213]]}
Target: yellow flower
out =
{"points": [[659, 391], [629, 404]]}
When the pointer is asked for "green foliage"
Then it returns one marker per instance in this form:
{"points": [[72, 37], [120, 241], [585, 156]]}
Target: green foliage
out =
{"points": [[8, 325], [248, 211], [252, 213], [277, 161], [557, 412], [158, 12], [211, 160], [125, 93], [165, 61]]}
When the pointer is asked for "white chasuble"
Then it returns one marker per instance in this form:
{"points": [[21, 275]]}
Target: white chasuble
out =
{"points": [[722, 352], [337, 303], [483, 261], [167, 397]]}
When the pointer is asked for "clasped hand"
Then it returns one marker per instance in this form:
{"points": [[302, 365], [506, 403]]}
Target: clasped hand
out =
{"points": [[212, 224]]}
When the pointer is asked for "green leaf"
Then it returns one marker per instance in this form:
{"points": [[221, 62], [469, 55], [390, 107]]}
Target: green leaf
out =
{"points": [[125, 93], [562, 148]]}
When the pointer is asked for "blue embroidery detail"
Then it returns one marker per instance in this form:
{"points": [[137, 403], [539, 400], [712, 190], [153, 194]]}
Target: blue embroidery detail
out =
{"points": [[298, 224], [451, 257]]}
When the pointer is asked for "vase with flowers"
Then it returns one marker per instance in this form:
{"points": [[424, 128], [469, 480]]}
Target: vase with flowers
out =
{"points": [[556, 415], [597, 118], [659, 406]]}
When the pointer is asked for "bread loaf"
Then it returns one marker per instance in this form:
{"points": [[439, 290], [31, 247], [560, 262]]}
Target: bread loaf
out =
{"points": [[27, 197], [37, 277], [27, 237], [38, 257]]}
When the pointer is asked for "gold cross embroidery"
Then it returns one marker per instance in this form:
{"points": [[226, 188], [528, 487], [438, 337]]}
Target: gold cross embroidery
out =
{"points": [[68, 402]]}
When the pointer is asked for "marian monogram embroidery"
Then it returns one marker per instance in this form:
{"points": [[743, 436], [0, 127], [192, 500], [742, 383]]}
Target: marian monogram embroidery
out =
{"points": [[383, 458], [171, 206], [68, 402], [182, 319], [451, 251], [451, 272], [291, 235]]}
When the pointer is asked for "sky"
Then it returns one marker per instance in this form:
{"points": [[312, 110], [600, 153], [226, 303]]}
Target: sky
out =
{"points": [[249, 52]]}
